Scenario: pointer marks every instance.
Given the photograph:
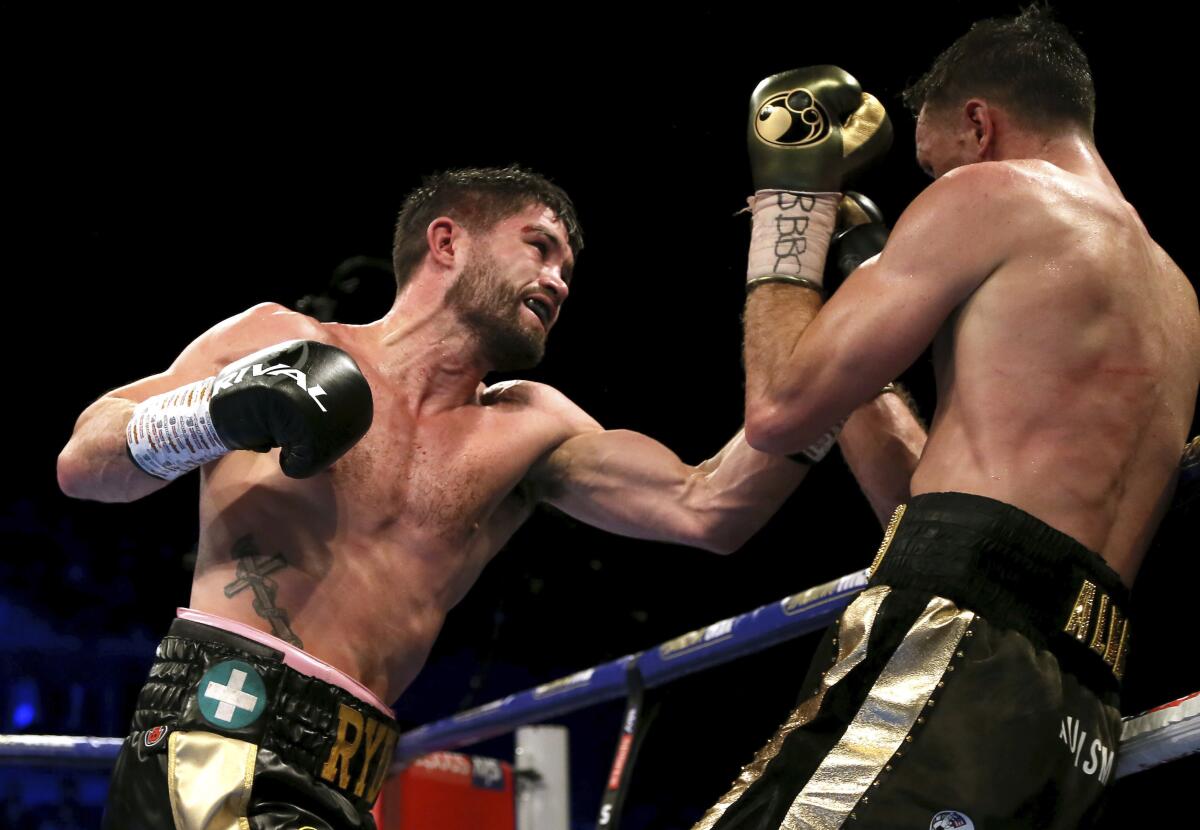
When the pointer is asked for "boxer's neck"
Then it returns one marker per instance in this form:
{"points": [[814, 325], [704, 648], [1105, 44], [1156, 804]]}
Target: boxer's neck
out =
{"points": [[1068, 151], [429, 352]]}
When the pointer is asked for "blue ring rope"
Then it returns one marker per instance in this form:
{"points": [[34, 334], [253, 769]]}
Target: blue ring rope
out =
{"points": [[695, 651]]}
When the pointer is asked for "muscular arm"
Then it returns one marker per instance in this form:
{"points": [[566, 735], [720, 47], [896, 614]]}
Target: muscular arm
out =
{"points": [[94, 464], [806, 370], [627, 483]]}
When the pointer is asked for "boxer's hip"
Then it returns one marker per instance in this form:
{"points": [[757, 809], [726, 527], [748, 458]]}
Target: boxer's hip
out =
{"points": [[222, 714], [1016, 572]]}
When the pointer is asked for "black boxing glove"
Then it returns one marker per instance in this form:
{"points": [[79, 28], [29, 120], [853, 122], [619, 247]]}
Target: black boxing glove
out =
{"points": [[306, 397], [860, 235]]}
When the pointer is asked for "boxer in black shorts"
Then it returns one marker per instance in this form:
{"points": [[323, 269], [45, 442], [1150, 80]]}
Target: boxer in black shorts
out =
{"points": [[975, 682], [1066, 346]]}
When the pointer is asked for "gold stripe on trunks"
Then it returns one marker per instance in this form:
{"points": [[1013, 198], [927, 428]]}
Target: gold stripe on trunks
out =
{"points": [[883, 721], [209, 779], [893, 523], [853, 631]]}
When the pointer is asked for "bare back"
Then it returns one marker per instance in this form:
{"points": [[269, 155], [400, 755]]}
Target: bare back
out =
{"points": [[1067, 380], [359, 564]]}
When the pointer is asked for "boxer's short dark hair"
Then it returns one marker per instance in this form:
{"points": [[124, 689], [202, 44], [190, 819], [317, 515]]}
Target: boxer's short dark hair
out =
{"points": [[477, 198], [1029, 63]]}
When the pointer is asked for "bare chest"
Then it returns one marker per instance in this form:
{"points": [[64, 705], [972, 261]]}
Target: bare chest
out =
{"points": [[445, 477]]}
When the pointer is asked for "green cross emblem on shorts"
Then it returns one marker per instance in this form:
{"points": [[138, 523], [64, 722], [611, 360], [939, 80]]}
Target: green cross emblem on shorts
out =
{"points": [[231, 695]]}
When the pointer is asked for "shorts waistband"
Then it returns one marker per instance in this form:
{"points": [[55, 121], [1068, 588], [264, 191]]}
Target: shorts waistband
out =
{"points": [[298, 659], [209, 679], [1014, 570]]}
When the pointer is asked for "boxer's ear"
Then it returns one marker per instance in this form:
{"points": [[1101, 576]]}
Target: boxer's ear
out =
{"points": [[444, 237], [981, 120]]}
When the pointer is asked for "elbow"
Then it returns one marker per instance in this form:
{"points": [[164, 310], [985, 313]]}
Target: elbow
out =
{"points": [[780, 428], [725, 545], [701, 522], [80, 479], [718, 533], [767, 427], [72, 474], [719, 541]]}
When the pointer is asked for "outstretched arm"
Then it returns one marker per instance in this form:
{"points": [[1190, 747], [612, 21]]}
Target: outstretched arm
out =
{"points": [[627, 483]]}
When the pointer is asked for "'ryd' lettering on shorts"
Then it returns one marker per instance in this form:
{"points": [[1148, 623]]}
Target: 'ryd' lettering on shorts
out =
{"points": [[359, 759]]}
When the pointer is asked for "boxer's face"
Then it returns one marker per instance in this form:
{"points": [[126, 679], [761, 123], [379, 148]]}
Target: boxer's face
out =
{"points": [[942, 142], [513, 285]]}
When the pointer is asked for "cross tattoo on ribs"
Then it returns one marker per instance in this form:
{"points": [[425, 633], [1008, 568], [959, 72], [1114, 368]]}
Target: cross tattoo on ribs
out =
{"points": [[252, 571]]}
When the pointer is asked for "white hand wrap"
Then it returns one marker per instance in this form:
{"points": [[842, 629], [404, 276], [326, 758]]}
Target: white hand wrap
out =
{"points": [[790, 236], [818, 449], [171, 434]]}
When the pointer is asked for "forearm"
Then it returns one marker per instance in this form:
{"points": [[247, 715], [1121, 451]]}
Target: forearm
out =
{"points": [[795, 209], [781, 416], [628, 483], [775, 318], [95, 465], [882, 442], [739, 490]]}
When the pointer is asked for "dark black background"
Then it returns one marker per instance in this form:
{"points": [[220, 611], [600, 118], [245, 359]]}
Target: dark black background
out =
{"points": [[167, 172]]}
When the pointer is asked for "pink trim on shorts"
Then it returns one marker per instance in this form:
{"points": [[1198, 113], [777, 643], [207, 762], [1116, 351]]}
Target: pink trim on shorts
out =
{"points": [[298, 659]]}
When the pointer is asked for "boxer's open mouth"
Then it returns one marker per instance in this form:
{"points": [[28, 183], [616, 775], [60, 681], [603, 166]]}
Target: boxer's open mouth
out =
{"points": [[541, 309]]}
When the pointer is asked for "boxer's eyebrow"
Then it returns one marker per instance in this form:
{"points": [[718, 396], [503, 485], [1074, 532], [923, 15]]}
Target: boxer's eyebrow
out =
{"points": [[557, 245]]}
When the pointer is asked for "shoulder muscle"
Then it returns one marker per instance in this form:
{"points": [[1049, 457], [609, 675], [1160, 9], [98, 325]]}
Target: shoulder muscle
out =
{"points": [[235, 337], [545, 400]]}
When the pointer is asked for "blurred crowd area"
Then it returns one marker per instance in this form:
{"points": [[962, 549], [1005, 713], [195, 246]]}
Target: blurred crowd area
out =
{"points": [[45, 800]]}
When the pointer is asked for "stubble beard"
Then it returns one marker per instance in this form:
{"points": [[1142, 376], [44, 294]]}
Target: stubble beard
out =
{"points": [[492, 310]]}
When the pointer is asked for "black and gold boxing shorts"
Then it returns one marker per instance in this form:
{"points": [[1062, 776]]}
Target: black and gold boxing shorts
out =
{"points": [[226, 735], [974, 684]]}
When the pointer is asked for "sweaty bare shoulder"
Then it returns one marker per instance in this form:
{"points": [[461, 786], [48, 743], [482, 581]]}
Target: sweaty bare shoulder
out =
{"points": [[255, 328], [964, 225], [563, 420], [540, 399], [987, 179], [1005, 185], [231, 339], [554, 417]]}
